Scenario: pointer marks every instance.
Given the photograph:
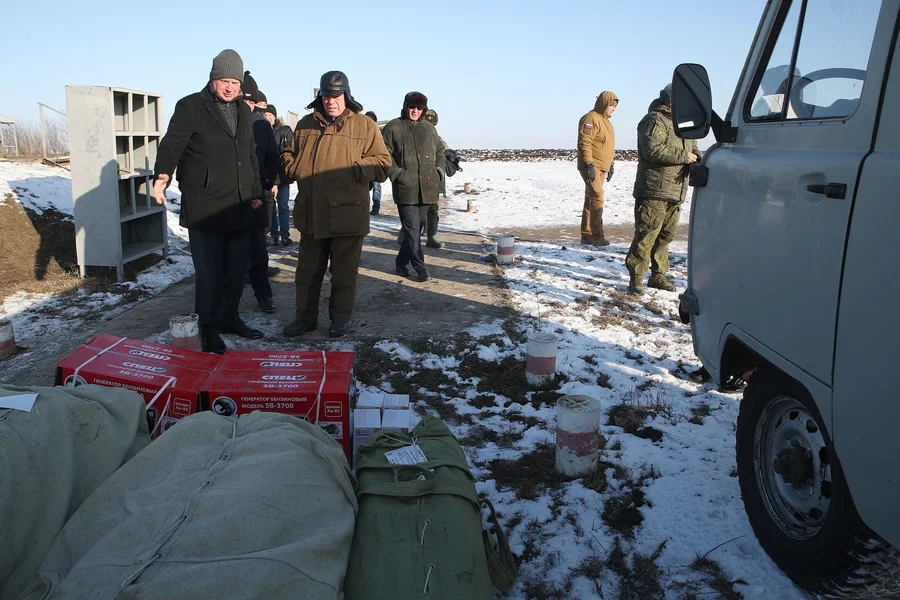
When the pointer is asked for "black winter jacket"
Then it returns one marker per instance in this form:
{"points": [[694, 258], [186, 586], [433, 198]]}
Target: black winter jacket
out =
{"points": [[217, 171], [417, 160], [268, 154], [269, 158], [284, 135]]}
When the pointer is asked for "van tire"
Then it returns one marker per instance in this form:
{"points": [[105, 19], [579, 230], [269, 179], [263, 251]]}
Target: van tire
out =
{"points": [[826, 549]]}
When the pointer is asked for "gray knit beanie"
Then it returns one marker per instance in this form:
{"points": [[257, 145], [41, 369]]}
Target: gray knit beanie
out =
{"points": [[227, 65]]}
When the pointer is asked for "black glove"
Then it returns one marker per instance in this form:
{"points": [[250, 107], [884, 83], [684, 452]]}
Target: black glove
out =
{"points": [[589, 173], [612, 168]]}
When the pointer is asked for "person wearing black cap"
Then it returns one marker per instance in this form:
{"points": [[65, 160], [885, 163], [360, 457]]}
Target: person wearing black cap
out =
{"points": [[268, 156], [336, 151], [417, 169], [210, 141], [281, 213]]}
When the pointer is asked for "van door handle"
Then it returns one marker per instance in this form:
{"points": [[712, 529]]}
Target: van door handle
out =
{"points": [[830, 190]]}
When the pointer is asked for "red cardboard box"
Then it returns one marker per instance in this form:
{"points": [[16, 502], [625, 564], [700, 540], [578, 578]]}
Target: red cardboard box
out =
{"points": [[184, 357], [260, 361], [320, 397], [179, 386]]}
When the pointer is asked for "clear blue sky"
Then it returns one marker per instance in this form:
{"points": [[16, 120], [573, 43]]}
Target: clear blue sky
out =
{"points": [[501, 74]]}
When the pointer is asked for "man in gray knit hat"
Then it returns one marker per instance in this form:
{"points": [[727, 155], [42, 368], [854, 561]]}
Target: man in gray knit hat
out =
{"points": [[210, 142]]}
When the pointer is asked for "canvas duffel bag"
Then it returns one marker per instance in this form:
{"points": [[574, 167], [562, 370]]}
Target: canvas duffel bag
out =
{"points": [[419, 529]]}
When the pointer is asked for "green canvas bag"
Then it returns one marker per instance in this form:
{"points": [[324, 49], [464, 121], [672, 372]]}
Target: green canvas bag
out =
{"points": [[418, 530]]}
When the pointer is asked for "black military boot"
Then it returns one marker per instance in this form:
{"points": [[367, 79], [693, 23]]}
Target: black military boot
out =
{"points": [[211, 341], [298, 327]]}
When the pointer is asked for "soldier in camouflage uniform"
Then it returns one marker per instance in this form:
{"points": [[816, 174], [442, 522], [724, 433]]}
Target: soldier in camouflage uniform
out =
{"points": [[659, 189], [432, 225]]}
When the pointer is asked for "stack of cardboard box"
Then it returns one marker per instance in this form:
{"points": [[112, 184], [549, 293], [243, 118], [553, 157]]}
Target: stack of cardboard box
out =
{"points": [[176, 382], [169, 378], [379, 411]]}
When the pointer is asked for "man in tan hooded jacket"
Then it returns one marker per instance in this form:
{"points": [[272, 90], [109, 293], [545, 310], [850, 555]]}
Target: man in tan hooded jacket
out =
{"points": [[596, 151]]}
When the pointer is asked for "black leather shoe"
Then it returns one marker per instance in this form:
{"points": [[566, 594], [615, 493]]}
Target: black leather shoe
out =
{"points": [[273, 271], [338, 329], [422, 276], [267, 305], [239, 328], [212, 342], [298, 327], [374, 212], [402, 270], [286, 241]]}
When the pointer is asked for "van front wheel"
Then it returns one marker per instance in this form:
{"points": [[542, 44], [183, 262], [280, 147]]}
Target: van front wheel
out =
{"points": [[797, 499]]}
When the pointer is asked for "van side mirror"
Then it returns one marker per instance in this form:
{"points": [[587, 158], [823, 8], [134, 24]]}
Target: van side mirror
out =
{"points": [[691, 101]]}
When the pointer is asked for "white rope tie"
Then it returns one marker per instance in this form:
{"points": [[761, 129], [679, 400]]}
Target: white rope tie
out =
{"points": [[427, 577], [424, 528], [96, 356]]}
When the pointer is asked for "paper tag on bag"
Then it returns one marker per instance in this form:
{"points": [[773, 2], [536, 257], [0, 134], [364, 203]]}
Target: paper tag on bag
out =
{"points": [[24, 402], [408, 455]]}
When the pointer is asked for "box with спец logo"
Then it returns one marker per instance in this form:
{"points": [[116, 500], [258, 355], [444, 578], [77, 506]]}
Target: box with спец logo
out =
{"points": [[170, 390], [285, 361], [183, 357], [320, 397]]}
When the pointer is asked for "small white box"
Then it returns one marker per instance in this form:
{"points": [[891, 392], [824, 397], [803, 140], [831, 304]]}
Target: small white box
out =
{"points": [[370, 400], [366, 421], [396, 402], [395, 420]]}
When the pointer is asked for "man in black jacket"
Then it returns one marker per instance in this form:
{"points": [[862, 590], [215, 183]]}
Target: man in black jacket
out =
{"points": [[269, 158], [210, 141]]}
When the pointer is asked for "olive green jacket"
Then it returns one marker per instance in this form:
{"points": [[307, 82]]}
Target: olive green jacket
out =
{"points": [[662, 172], [417, 160]]}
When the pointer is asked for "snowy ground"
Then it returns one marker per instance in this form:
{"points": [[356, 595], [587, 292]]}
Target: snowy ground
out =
{"points": [[534, 194], [39, 187], [633, 356], [666, 494]]}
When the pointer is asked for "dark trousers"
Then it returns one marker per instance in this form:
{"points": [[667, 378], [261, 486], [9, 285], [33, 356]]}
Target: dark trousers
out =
{"points": [[259, 265], [412, 222], [281, 213], [344, 253], [220, 262]]}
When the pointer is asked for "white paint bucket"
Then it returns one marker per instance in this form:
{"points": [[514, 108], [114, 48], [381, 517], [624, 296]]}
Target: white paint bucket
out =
{"points": [[506, 250], [471, 205], [578, 439], [185, 331], [467, 188], [540, 360], [7, 339]]}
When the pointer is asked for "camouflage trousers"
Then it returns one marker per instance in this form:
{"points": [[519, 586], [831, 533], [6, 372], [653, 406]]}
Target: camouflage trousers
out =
{"points": [[592, 215], [655, 225]]}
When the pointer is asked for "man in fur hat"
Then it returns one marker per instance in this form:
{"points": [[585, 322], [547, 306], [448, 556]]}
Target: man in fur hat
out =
{"points": [[336, 151]]}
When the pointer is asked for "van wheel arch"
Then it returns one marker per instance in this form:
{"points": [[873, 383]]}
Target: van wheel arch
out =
{"points": [[797, 499], [737, 359]]}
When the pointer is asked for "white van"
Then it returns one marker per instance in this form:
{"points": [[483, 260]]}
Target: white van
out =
{"points": [[794, 270]]}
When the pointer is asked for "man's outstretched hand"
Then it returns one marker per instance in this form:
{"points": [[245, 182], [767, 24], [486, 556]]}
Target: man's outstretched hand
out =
{"points": [[159, 188]]}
